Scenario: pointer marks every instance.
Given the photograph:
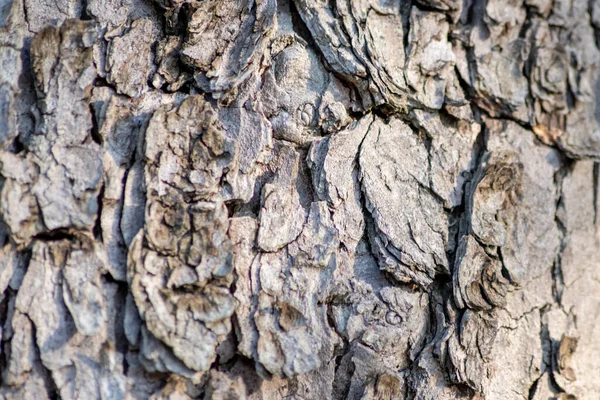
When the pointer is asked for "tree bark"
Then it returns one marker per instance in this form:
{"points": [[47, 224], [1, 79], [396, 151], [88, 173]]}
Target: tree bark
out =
{"points": [[299, 199]]}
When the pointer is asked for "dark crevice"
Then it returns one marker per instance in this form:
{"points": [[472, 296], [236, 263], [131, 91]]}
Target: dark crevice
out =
{"points": [[97, 230], [368, 218], [300, 28], [4, 308], [84, 14], [440, 283], [55, 235], [558, 282], [405, 9], [339, 352], [95, 132], [17, 146], [549, 348], [468, 13], [533, 389], [595, 188], [455, 218], [229, 363], [26, 16], [385, 112], [571, 98], [467, 89], [429, 8], [489, 108], [557, 274], [102, 82], [187, 87], [502, 114], [27, 99], [505, 272], [461, 214], [353, 114], [529, 18], [232, 207], [342, 378], [51, 387], [120, 297]]}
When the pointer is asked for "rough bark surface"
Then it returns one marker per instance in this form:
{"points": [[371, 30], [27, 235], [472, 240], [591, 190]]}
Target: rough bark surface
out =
{"points": [[299, 199]]}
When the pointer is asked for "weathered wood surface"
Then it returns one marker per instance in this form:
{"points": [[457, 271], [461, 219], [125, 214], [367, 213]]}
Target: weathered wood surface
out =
{"points": [[299, 199]]}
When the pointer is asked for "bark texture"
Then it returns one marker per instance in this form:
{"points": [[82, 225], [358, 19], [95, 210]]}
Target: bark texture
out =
{"points": [[299, 199]]}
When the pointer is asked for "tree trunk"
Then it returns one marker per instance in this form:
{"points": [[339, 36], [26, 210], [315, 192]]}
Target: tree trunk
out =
{"points": [[299, 199]]}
